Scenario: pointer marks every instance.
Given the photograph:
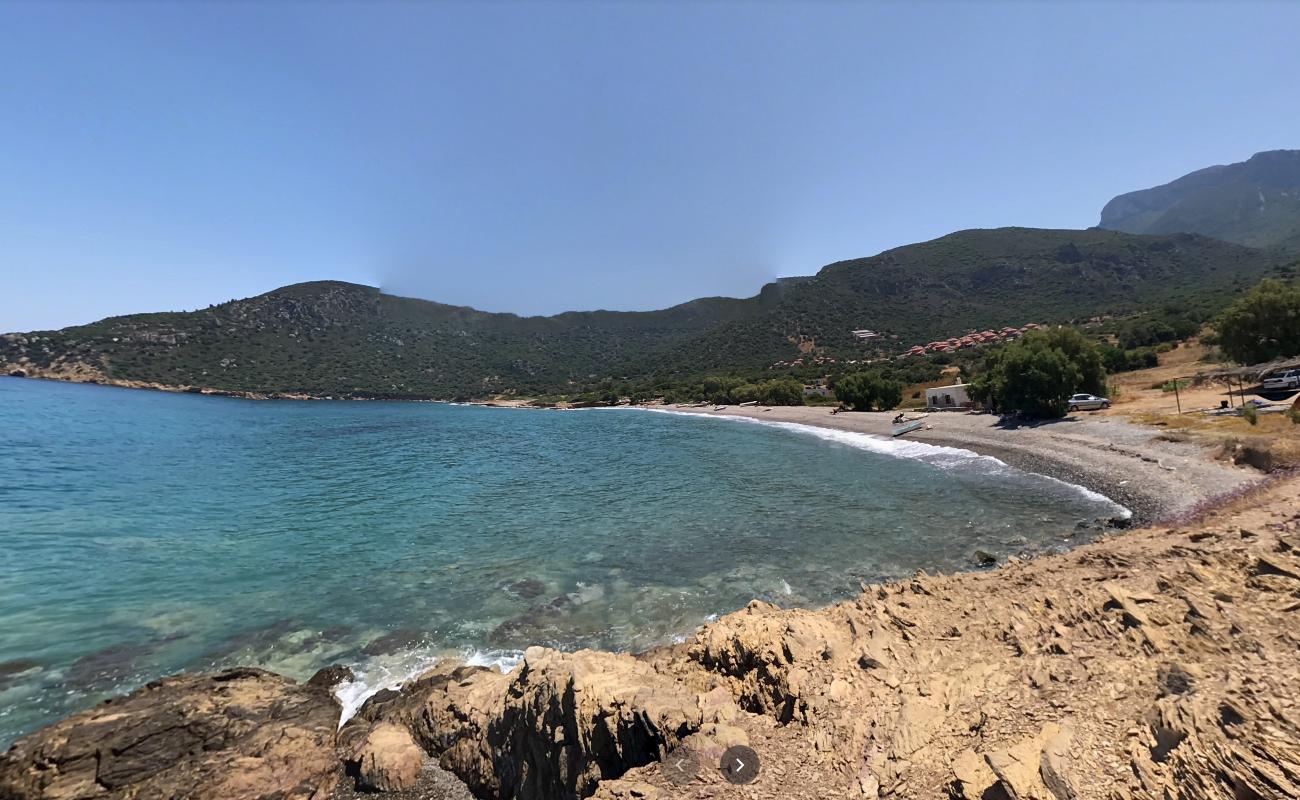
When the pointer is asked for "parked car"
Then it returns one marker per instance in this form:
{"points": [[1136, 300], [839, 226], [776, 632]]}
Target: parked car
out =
{"points": [[1283, 380], [1088, 402]]}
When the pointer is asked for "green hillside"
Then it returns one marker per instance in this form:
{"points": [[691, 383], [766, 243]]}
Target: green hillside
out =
{"points": [[1255, 203], [337, 338], [983, 279]]}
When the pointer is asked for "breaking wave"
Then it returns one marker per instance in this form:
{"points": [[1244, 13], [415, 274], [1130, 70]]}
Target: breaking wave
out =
{"points": [[939, 456]]}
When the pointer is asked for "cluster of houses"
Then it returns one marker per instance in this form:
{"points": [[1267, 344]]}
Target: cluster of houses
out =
{"points": [[972, 339], [817, 360]]}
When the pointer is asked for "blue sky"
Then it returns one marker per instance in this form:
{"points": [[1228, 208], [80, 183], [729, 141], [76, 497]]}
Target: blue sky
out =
{"points": [[542, 157]]}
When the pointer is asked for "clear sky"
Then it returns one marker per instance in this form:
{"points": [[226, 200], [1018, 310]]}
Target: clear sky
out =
{"points": [[542, 157]]}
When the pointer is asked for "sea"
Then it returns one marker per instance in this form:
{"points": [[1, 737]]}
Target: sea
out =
{"points": [[147, 533]]}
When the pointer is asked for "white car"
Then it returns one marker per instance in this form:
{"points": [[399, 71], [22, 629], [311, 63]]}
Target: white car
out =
{"points": [[1087, 402], [1283, 380]]}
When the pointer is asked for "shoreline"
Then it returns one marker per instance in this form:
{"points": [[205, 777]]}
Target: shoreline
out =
{"points": [[1155, 478]]}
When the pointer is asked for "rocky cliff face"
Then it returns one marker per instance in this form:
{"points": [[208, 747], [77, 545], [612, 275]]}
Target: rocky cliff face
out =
{"points": [[1255, 203], [557, 725]]}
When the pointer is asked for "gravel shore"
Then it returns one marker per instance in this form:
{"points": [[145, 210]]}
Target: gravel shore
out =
{"points": [[1134, 465]]}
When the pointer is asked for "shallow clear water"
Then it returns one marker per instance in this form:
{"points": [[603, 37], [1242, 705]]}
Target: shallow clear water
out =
{"points": [[144, 533]]}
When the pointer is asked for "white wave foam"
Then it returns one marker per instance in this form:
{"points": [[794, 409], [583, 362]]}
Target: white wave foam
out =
{"points": [[503, 660], [940, 456], [376, 674], [390, 672]]}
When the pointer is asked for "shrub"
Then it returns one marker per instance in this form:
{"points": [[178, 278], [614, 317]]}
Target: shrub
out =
{"points": [[1250, 413], [1037, 374], [861, 391], [1293, 413], [1262, 325], [780, 392]]}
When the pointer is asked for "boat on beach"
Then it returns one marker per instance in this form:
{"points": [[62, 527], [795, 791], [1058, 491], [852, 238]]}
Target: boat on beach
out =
{"points": [[907, 427]]}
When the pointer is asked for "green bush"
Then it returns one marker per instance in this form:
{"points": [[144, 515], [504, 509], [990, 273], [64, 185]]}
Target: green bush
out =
{"points": [[1036, 375], [1117, 360], [780, 392], [1262, 325], [1293, 413], [861, 391], [1250, 413]]}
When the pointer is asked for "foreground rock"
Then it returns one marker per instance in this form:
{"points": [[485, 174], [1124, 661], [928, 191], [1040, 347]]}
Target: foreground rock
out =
{"points": [[240, 734], [387, 759], [554, 727]]}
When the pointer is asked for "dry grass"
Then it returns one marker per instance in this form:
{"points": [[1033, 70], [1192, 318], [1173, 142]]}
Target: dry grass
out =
{"points": [[1139, 393], [1272, 443]]}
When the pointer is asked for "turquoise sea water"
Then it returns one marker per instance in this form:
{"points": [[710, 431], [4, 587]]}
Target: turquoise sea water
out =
{"points": [[144, 533]]}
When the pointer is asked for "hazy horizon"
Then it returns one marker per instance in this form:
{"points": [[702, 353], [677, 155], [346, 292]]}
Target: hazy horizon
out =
{"points": [[535, 159]]}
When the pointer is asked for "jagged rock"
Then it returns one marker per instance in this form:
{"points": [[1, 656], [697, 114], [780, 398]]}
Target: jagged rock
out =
{"points": [[244, 734], [1174, 679], [973, 778], [387, 759], [1019, 767], [406, 706], [557, 724], [327, 678], [868, 783], [1054, 764], [984, 558], [628, 790]]}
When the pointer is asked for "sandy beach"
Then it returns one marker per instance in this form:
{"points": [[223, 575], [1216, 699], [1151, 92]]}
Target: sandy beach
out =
{"points": [[1153, 474]]}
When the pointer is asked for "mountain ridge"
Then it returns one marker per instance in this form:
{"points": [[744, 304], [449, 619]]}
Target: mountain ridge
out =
{"points": [[333, 338], [1254, 202]]}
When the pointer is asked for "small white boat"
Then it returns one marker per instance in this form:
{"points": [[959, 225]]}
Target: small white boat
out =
{"points": [[908, 427]]}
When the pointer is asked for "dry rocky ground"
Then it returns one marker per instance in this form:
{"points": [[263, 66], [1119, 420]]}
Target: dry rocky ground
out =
{"points": [[1158, 663]]}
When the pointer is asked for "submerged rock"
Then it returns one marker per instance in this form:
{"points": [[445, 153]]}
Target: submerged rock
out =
{"points": [[11, 670], [393, 642], [245, 734], [526, 589], [107, 668]]}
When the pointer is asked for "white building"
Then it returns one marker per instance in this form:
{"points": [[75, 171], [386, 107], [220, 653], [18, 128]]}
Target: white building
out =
{"points": [[948, 397]]}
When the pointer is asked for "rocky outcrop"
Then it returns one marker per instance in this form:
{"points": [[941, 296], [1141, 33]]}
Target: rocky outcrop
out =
{"points": [[557, 725], [387, 759], [240, 735]]}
